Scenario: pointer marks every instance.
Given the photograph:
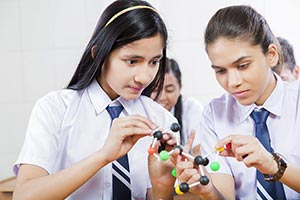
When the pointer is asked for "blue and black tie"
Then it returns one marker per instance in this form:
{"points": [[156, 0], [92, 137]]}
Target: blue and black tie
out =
{"points": [[265, 190], [120, 167]]}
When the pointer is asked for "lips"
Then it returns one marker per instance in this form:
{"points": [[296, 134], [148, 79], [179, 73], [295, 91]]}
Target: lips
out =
{"points": [[240, 94], [136, 89]]}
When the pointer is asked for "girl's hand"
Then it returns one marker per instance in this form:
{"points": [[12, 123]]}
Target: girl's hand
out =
{"points": [[187, 171], [124, 133], [249, 150]]}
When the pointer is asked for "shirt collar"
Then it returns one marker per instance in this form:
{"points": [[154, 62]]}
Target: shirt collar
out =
{"points": [[273, 104], [100, 100]]}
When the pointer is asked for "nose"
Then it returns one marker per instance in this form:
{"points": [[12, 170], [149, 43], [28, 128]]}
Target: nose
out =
{"points": [[162, 95], [234, 79], [144, 75], [162, 98]]}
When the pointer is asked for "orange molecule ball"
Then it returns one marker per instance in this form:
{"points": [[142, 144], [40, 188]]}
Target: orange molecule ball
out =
{"points": [[151, 150]]}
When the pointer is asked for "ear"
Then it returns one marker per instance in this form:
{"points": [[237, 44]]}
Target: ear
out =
{"points": [[272, 55], [296, 72], [93, 51]]}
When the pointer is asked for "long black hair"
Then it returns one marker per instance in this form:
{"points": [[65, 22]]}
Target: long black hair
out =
{"points": [[173, 67], [130, 26], [244, 23]]}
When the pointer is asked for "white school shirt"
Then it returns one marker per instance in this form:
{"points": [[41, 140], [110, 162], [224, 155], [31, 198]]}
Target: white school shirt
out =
{"points": [[67, 126], [191, 117], [224, 116]]}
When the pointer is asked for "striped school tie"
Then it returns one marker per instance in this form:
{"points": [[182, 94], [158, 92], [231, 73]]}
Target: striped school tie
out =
{"points": [[265, 190], [120, 167]]}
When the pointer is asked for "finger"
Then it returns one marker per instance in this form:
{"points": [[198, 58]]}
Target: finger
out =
{"points": [[227, 153], [242, 152], [183, 165], [135, 138], [175, 156], [187, 174], [196, 150], [138, 118], [190, 140], [223, 142], [168, 139], [130, 131]]}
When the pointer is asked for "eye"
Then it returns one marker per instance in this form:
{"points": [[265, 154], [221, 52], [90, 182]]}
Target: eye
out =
{"points": [[220, 71], [243, 65], [131, 61], [155, 62], [170, 90]]}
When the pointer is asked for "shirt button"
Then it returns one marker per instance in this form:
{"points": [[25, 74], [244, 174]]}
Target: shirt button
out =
{"points": [[107, 184]]}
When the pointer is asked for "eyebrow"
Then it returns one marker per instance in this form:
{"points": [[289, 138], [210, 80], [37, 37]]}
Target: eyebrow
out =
{"points": [[141, 57], [234, 62]]}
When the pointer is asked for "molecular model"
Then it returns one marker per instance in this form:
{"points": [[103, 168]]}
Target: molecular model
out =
{"points": [[198, 160]]}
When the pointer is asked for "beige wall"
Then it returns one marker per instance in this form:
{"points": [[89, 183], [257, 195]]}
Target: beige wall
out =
{"points": [[41, 42]]}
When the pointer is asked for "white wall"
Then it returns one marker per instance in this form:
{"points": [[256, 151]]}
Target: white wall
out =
{"points": [[41, 42]]}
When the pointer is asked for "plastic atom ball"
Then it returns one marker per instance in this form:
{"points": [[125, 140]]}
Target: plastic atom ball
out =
{"points": [[164, 155], [158, 134], [177, 190], [220, 149], [184, 187], [174, 173], [204, 180], [215, 166], [199, 160], [228, 146], [179, 148], [151, 151], [175, 127]]}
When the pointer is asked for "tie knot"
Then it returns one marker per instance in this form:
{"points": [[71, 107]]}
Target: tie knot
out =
{"points": [[114, 111], [260, 116]]}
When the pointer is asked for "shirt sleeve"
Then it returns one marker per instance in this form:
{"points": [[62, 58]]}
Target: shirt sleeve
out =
{"points": [[42, 136], [209, 138]]}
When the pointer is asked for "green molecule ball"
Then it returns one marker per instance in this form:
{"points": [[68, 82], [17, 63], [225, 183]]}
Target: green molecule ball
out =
{"points": [[174, 172], [215, 166], [164, 155]]}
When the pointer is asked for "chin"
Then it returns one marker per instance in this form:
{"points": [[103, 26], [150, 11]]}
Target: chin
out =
{"points": [[131, 96], [244, 102]]}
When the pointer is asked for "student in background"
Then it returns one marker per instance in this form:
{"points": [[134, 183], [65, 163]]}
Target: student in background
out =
{"points": [[243, 50], [73, 141], [187, 110], [290, 70]]}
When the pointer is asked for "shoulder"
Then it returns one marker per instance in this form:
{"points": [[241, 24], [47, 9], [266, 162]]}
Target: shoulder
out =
{"points": [[151, 105], [222, 105], [155, 111], [57, 102], [190, 103], [59, 98]]}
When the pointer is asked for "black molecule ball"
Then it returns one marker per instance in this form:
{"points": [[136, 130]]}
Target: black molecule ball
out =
{"points": [[204, 180], [184, 187], [175, 127]]}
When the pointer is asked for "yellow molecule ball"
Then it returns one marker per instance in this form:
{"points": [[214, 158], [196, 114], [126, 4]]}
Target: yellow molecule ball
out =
{"points": [[177, 190], [220, 149]]}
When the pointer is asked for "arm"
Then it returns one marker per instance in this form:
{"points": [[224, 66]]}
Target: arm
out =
{"points": [[249, 150], [124, 133], [34, 182], [291, 176]]}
